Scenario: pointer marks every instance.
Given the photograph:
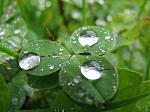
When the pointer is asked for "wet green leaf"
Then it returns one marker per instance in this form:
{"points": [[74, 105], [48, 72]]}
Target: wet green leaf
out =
{"points": [[64, 103], [52, 57], [92, 39], [12, 36], [89, 79]]}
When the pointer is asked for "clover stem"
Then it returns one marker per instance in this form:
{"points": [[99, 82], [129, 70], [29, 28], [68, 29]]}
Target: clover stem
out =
{"points": [[146, 76], [8, 51], [84, 11], [1, 7]]}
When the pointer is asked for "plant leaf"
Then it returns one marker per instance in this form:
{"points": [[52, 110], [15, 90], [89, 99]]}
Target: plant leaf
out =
{"points": [[92, 39], [52, 56], [84, 90]]}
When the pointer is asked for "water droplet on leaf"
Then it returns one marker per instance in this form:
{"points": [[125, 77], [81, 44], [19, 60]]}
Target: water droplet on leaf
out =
{"points": [[61, 49], [29, 62], [88, 37], [51, 66], [91, 70]]}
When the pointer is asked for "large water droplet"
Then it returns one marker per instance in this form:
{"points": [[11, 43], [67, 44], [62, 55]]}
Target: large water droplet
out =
{"points": [[29, 62], [88, 37], [91, 70]]}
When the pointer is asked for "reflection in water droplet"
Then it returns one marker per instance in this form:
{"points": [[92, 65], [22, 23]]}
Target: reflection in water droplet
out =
{"points": [[82, 91], [14, 101], [29, 62], [91, 70], [88, 37]]}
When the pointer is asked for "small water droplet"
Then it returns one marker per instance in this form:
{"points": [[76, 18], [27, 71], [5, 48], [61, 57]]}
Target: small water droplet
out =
{"points": [[77, 79], [91, 70], [50, 66], [70, 84], [60, 53], [17, 31], [29, 62], [89, 99], [88, 37], [42, 69], [2, 33], [60, 65], [108, 37], [61, 49], [74, 42]]}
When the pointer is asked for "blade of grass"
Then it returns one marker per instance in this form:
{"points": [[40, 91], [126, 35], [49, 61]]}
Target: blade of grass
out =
{"points": [[142, 8], [146, 76], [84, 11], [1, 7], [8, 51]]}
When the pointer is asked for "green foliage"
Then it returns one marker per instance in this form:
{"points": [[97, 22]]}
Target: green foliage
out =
{"points": [[74, 56]]}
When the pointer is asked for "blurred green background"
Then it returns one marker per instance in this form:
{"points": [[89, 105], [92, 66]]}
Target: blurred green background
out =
{"points": [[22, 21]]}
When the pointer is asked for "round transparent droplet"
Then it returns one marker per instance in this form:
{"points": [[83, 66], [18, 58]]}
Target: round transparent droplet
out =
{"points": [[91, 70], [88, 38], [29, 62]]}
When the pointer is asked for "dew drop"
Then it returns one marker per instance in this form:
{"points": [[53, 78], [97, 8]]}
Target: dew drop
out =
{"points": [[2, 33], [91, 70], [77, 79], [90, 99], [29, 62], [61, 49], [88, 37], [17, 31]]}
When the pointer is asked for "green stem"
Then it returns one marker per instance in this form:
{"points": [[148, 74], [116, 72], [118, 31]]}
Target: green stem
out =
{"points": [[146, 76], [84, 11], [142, 8], [8, 51], [1, 7]]}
